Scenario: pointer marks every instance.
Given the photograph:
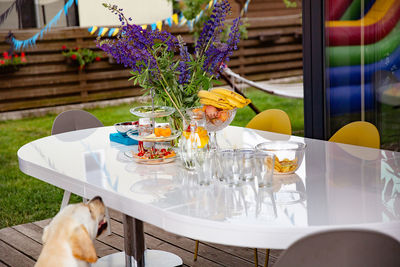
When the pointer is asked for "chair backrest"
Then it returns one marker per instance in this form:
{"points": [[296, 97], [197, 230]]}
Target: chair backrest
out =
{"points": [[271, 120], [72, 120], [344, 248], [359, 133]]}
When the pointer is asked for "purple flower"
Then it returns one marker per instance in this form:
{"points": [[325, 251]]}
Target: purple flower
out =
{"points": [[218, 52], [213, 26], [134, 46], [183, 68]]}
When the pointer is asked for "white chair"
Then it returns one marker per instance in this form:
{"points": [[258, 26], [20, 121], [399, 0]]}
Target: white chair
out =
{"points": [[344, 248], [72, 120]]}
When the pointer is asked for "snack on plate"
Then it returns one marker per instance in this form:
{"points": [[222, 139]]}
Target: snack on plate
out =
{"points": [[164, 130], [154, 153]]}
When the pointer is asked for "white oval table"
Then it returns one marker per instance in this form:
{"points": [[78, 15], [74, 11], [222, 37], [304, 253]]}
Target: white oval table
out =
{"points": [[336, 187]]}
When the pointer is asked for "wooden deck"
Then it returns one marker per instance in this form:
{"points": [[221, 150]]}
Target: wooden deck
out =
{"points": [[20, 246]]}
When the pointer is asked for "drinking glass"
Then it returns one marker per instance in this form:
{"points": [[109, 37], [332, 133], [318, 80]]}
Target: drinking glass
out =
{"points": [[246, 162], [203, 160], [264, 168], [216, 165], [230, 167]]}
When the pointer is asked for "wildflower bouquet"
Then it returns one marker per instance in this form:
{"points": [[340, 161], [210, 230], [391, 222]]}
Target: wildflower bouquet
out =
{"points": [[80, 56], [12, 62], [160, 61]]}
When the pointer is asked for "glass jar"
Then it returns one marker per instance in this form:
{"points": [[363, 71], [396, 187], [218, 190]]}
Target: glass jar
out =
{"points": [[194, 137]]}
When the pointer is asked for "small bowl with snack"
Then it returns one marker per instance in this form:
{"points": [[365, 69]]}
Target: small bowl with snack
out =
{"points": [[288, 155], [128, 126]]}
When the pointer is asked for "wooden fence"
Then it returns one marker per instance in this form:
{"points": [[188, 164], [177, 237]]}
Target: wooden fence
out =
{"points": [[273, 50]]}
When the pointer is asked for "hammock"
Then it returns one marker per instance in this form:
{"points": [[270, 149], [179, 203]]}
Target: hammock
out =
{"points": [[291, 90]]}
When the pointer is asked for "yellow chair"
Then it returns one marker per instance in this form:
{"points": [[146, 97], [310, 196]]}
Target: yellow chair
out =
{"points": [[271, 120], [358, 133]]}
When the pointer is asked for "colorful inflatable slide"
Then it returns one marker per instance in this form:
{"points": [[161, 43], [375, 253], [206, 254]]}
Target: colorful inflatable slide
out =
{"points": [[360, 45]]}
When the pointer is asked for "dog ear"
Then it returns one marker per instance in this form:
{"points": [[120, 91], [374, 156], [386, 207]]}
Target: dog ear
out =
{"points": [[82, 246]]}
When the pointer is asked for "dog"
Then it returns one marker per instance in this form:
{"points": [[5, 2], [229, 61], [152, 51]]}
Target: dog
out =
{"points": [[68, 239]]}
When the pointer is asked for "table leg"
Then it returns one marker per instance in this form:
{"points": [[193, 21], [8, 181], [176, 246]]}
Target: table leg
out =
{"points": [[135, 253], [133, 242]]}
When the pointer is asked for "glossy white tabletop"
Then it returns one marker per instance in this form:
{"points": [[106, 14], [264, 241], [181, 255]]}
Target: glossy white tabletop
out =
{"points": [[337, 186]]}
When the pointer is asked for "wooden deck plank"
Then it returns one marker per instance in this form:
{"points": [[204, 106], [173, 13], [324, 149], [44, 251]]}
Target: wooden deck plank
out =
{"points": [[3, 264], [13, 257], [29, 229], [24, 244]]}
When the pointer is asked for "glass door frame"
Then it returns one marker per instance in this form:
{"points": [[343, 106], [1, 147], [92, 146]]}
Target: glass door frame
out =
{"points": [[315, 103]]}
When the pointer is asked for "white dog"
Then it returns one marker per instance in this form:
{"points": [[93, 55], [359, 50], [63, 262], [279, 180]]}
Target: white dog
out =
{"points": [[68, 239]]}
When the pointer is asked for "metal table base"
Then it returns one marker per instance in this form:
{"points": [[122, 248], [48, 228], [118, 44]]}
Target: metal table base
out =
{"points": [[135, 254]]}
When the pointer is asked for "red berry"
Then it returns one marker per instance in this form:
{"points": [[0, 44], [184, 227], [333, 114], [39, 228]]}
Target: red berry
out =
{"points": [[140, 154], [63, 47], [5, 54], [163, 150], [73, 56], [98, 58], [2, 62], [15, 55], [76, 48], [23, 54]]}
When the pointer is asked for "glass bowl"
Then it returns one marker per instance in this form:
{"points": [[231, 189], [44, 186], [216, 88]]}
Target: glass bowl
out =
{"points": [[217, 124], [288, 155], [128, 126]]}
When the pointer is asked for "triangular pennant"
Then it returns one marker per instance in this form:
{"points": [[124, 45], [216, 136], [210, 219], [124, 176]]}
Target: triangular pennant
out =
{"points": [[169, 21], [153, 26], [182, 20], [159, 25], [93, 29], [144, 27], [111, 31], [210, 4], [116, 31], [104, 31], [175, 18]]}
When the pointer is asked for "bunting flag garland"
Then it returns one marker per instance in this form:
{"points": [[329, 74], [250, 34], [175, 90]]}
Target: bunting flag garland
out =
{"points": [[5, 14], [179, 20], [18, 44], [175, 18]]}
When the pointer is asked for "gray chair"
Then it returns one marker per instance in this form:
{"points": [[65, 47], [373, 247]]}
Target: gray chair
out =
{"points": [[344, 248], [72, 120]]}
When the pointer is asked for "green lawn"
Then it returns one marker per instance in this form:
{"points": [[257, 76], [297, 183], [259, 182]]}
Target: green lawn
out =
{"points": [[25, 199]]}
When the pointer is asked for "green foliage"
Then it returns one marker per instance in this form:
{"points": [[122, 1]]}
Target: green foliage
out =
{"points": [[82, 56], [12, 60], [289, 3]]}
